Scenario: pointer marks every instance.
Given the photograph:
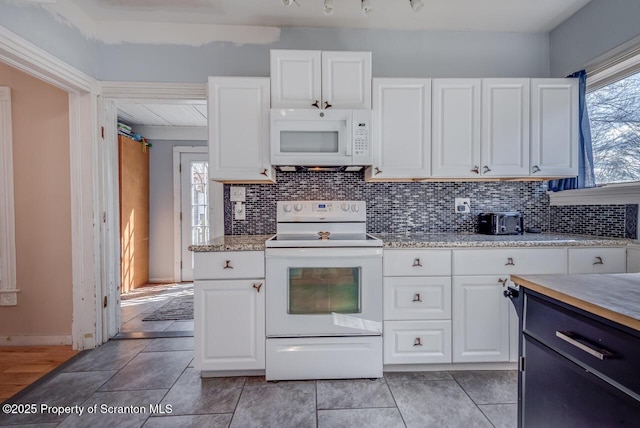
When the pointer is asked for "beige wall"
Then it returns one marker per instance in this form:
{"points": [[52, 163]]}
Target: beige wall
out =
{"points": [[42, 208]]}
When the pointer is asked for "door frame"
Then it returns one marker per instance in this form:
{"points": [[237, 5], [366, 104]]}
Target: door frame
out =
{"points": [[216, 200]]}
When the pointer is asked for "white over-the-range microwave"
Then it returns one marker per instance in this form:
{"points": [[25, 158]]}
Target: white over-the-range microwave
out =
{"points": [[302, 137]]}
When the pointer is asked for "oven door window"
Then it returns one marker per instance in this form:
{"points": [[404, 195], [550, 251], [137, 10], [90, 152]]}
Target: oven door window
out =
{"points": [[323, 290]]}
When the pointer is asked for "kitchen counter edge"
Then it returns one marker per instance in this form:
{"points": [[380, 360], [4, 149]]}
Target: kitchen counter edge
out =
{"points": [[395, 240]]}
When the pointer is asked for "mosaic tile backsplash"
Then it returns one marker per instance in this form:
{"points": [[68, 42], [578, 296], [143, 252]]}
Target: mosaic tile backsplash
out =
{"points": [[613, 221], [392, 207]]}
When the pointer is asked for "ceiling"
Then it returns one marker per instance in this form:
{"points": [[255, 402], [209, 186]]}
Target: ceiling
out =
{"points": [[163, 114], [457, 15]]}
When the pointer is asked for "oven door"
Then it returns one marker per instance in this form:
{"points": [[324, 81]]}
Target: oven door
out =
{"points": [[323, 291]]}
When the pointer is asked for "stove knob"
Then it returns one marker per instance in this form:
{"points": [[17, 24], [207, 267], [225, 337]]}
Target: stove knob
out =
{"points": [[287, 208], [297, 207], [345, 207], [355, 208]]}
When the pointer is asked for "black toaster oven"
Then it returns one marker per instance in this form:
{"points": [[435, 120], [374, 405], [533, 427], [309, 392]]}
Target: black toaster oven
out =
{"points": [[500, 223]]}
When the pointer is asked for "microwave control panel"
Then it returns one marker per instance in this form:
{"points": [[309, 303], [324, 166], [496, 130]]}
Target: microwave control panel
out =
{"points": [[361, 128]]}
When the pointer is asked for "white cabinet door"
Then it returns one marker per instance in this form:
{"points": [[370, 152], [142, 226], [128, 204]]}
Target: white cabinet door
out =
{"points": [[554, 127], [480, 320], [239, 129], [401, 128], [505, 127], [346, 80], [456, 128], [229, 327], [295, 79]]}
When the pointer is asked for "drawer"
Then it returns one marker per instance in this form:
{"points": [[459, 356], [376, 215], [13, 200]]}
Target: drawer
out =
{"points": [[543, 319], [417, 298], [230, 264], [416, 262], [417, 342], [597, 260], [504, 261]]}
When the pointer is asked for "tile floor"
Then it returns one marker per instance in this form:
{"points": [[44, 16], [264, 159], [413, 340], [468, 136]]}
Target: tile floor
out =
{"points": [[135, 375]]}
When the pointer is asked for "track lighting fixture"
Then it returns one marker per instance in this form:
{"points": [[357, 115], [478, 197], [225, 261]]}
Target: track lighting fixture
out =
{"points": [[416, 5], [328, 7], [366, 7]]}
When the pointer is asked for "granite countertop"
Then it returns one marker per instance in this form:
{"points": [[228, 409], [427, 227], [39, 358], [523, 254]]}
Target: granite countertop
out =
{"points": [[615, 297], [423, 240], [232, 243]]}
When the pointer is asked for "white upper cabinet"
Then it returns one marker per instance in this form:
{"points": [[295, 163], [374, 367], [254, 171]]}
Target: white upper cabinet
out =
{"points": [[505, 127], [315, 79], [295, 79], [239, 129], [554, 122], [401, 128], [456, 128]]}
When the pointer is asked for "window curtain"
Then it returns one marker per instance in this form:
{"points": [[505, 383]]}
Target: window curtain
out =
{"points": [[586, 177]]}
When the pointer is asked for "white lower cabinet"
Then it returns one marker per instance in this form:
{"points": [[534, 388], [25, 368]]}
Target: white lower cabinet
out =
{"points": [[480, 320], [597, 260], [229, 311], [417, 342], [229, 325]]}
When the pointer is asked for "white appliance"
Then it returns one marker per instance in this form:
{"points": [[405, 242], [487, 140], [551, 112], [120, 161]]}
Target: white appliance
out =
{"points": [[304, 137], [324, 303]]}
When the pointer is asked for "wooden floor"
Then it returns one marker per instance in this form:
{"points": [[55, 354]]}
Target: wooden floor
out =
{"points": [[20, 366]]}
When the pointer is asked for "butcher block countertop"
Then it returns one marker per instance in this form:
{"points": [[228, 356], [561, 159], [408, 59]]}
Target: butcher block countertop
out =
{"points": [[615, 297]]}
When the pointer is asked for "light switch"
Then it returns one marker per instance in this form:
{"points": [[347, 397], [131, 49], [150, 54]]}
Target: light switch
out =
{"points": [[238, 194]]}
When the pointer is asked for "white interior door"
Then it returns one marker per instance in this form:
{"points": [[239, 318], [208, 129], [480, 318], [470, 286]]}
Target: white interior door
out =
{"points": [[194, 203]]}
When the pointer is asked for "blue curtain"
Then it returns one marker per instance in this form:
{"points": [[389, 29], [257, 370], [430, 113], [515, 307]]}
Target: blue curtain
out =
{"points": [[585, 176]]}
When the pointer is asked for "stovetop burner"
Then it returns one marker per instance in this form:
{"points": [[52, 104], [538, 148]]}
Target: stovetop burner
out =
{"points": [[322, 224]]}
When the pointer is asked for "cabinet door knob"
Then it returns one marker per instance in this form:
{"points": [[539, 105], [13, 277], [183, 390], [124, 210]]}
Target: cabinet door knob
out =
{"points": [[257, 286], [535, 169], [502, 281], [416, 298], [486, 169], [315, 104], [227, 265], [416, 263], [327, 105], [598, 261], [417, 342], [475, 169], [509, 262], [264, 172], [377, 171]]}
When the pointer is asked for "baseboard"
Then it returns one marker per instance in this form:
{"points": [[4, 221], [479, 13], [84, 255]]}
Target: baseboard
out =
{"points": [[162, 280], [35, 340]]}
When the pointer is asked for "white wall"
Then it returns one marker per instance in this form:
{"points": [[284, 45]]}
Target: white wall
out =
{"points": [[592, 32], [395, 54], [161, 207]]}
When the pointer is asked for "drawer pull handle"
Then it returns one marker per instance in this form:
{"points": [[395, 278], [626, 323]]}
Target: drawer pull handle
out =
{"points": [[509, 262], [485, 169], [264, 172], [502, 281], [315, 104], [416, 298], [377, 171], [598, 261], [535, 169], [572, 339], [416, 263], [475, 169], [227, 265], [417, 342], [257, 286], [327, 105]]}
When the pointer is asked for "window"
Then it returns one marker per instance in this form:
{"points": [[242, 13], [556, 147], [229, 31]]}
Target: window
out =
{"points": [[614, 114]]}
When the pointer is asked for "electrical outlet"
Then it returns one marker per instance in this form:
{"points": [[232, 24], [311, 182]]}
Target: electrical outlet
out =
{"points": [[462, 205], [238, 194], [239, 212]]}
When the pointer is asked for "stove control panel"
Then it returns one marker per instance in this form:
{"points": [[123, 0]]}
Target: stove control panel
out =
{"points": [[321, 211]]}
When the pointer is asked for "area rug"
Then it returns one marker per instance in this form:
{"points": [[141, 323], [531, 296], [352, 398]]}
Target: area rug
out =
{"points": [[178, 308]]}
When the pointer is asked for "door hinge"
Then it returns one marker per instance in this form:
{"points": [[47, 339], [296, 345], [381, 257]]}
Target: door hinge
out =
{"points": [[179, 167], [104, 302], [521, 364], [180, 265], [102, 132], [180, 216], [104, 216]]}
